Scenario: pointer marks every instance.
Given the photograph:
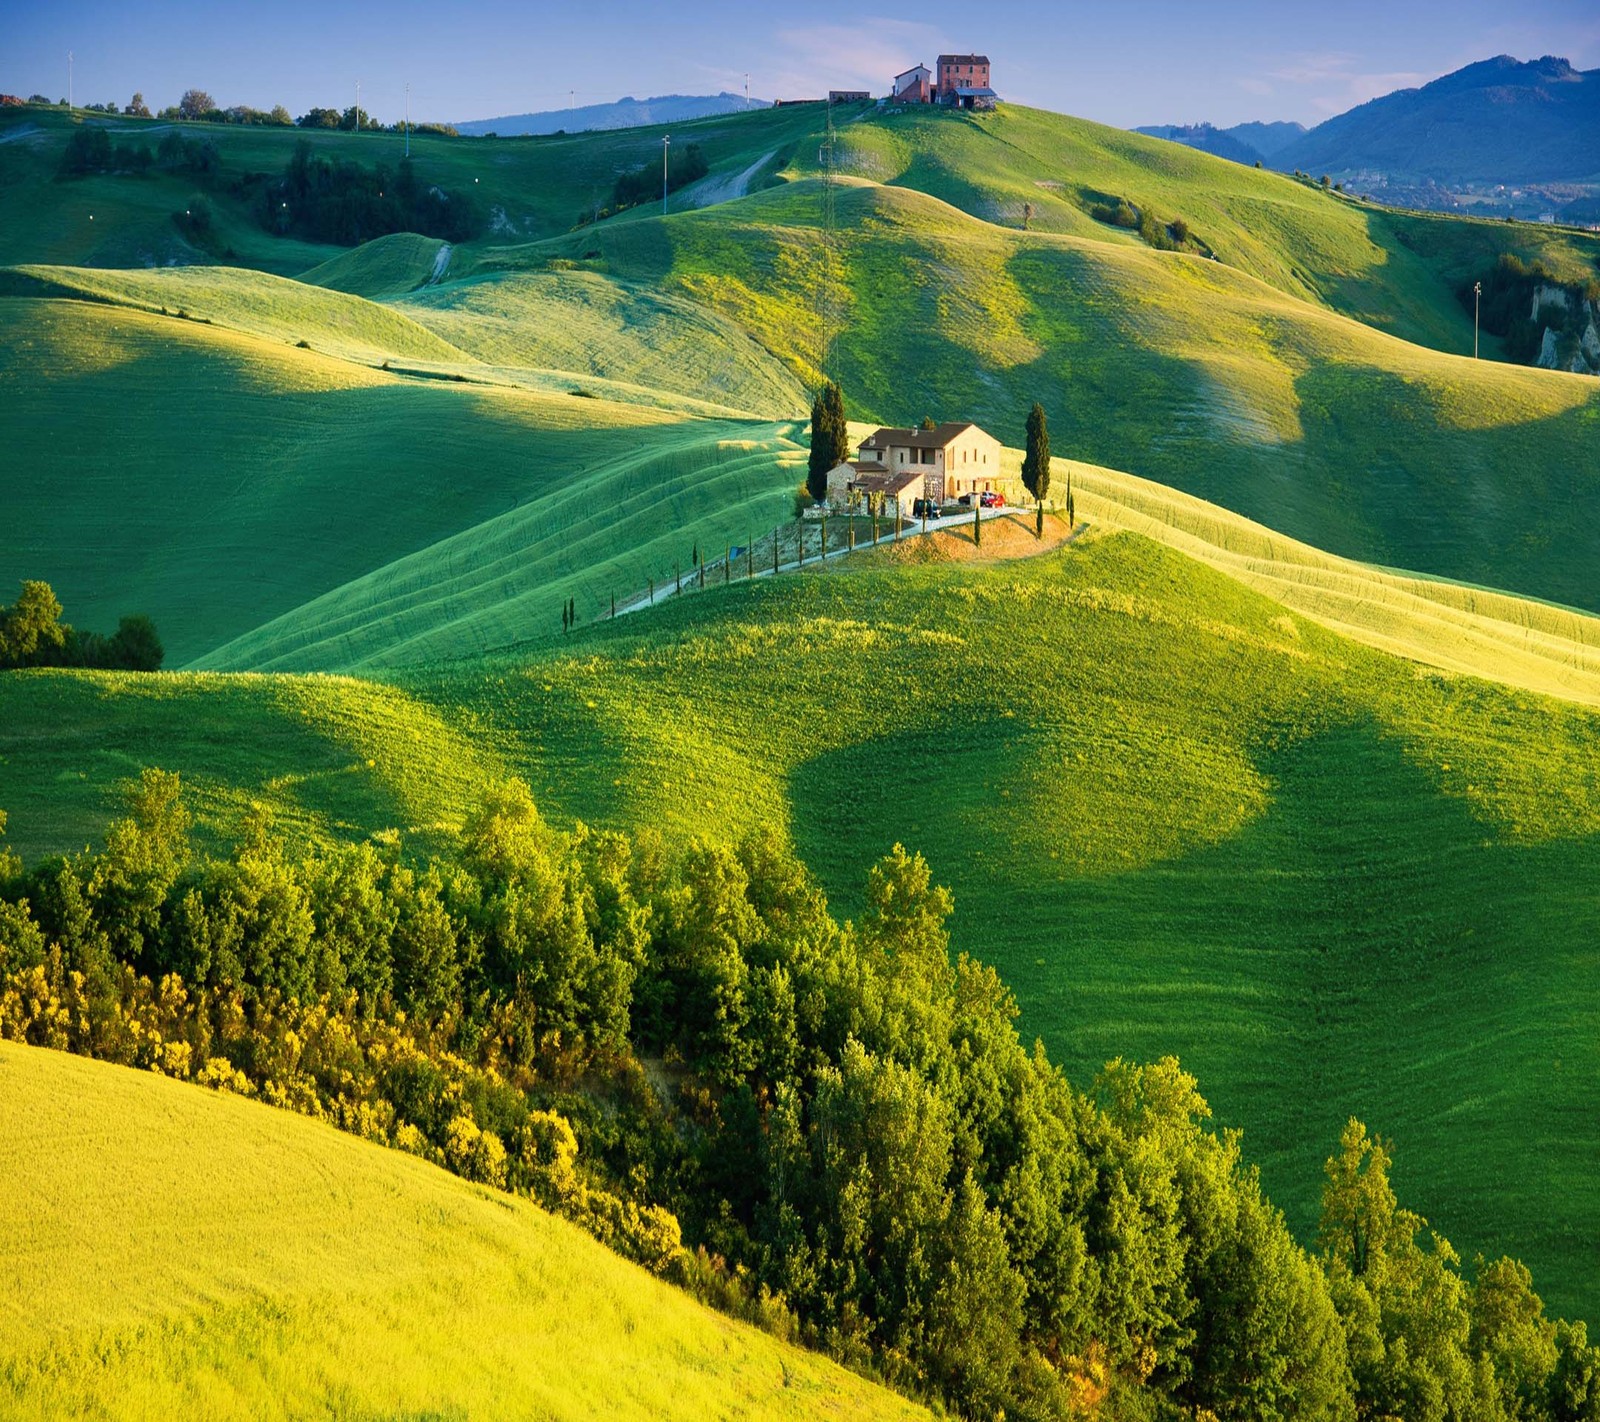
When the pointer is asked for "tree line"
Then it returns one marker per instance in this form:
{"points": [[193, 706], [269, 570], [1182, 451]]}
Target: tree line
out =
{"points": [[831, 1128], [32, 634], [197, 106]]}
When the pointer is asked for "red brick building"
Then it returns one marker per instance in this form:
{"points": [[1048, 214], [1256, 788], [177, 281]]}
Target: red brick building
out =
{"points": [[959, 71]]}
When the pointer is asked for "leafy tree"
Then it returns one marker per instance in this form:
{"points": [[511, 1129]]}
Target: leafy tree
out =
{"points": [[196, 104], [137, 108], [135, 646], [279, 116], [319, 118], [31, 625]]}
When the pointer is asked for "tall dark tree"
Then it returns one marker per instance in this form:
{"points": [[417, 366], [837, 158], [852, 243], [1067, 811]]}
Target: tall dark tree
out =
{"points": [[1036, 462], [830, 439]]}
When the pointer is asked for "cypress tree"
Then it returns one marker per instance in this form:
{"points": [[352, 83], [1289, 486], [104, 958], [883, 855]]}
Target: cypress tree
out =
{"points": [[830, 439], [838, 425], [1036, 462]]}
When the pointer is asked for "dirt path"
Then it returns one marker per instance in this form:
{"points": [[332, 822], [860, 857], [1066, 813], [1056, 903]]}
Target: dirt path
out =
{"points": [[729, 188], [441, 264]]}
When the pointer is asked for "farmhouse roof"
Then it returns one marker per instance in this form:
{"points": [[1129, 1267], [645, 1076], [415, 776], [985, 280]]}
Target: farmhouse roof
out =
{"points": [[891, 438], [872, 480], [963, 59], [962, 93], [915, 69]]}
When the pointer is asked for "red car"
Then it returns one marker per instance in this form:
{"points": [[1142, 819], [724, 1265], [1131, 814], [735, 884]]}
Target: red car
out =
{"points": [[991, 500]]}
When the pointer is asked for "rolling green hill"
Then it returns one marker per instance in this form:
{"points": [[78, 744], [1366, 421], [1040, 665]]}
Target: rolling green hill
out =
{"points": [[174, 1252], [1176, 816], [217, 480], [1201, 785], [1169, 366]]}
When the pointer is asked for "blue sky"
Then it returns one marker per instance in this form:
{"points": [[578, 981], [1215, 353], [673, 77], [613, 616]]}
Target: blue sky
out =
{"points": [[1118, 61]]}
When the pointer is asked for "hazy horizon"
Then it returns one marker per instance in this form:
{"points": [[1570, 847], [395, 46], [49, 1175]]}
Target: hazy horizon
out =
{"points": [[1139, 62]]}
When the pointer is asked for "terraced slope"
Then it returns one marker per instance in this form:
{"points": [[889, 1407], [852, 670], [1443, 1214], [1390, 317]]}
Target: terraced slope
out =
{"points": [[1176, 814], [170, 1252], [217, 480]]}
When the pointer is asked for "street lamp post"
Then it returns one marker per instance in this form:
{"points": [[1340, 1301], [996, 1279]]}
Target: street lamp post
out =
{"points": [[666, 140]]}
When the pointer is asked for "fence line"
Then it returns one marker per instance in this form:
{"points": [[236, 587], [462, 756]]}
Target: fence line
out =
{"points": [[766, 556]]}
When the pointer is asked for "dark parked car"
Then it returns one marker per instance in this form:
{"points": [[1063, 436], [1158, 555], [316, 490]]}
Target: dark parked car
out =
{"points": [[925, 508]]}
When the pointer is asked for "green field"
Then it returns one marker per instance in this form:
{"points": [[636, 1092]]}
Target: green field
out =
{"points": [[1213, 779], [198, 1255], [1175, 815], [1264, 382]]}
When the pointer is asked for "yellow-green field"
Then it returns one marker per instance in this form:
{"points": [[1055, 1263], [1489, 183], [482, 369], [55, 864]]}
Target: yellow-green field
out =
{"points": [[1214, 778], [1176, 813], [173, 1253]]}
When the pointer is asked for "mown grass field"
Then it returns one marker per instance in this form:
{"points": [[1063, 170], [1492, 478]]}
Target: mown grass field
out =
{"points": [[219, 481], [170, 1252], [1176, 816]]}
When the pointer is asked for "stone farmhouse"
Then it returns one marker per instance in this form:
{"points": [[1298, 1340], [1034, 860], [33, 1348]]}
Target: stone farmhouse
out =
{"points": [[904, 465]]}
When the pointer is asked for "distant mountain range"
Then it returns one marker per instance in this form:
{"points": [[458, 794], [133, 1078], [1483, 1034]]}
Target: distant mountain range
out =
{"points": [[624, 113], [1243, 143], [1501, 121]]}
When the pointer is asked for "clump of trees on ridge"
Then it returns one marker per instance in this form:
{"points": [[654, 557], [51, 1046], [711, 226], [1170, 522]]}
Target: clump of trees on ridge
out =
{"points": [[830, 1128], [33, 635], [323, 198]]}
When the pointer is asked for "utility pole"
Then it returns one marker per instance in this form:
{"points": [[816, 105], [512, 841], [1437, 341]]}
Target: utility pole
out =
{"points": [[1477, 303], [828, 312], [358, 106], [666, 140], [572, 99], [408, 120], [69, 81], [747, 91]]}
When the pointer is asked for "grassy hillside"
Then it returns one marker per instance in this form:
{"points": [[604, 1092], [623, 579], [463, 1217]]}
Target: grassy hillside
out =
{"points": [[174, 1252], [1175, 815], [217, 480], [529, 187], [1173, 367]]}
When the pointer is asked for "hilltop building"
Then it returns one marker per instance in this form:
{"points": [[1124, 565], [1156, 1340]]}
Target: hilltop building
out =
{"points": [[915, 86], [960, 81], [905, 465], [963, 81]]}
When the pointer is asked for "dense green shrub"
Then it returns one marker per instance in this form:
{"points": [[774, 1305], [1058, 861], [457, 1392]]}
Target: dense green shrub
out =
{"points": [[325, 199], [33, 635], [841, 1122], [91, 150]]}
